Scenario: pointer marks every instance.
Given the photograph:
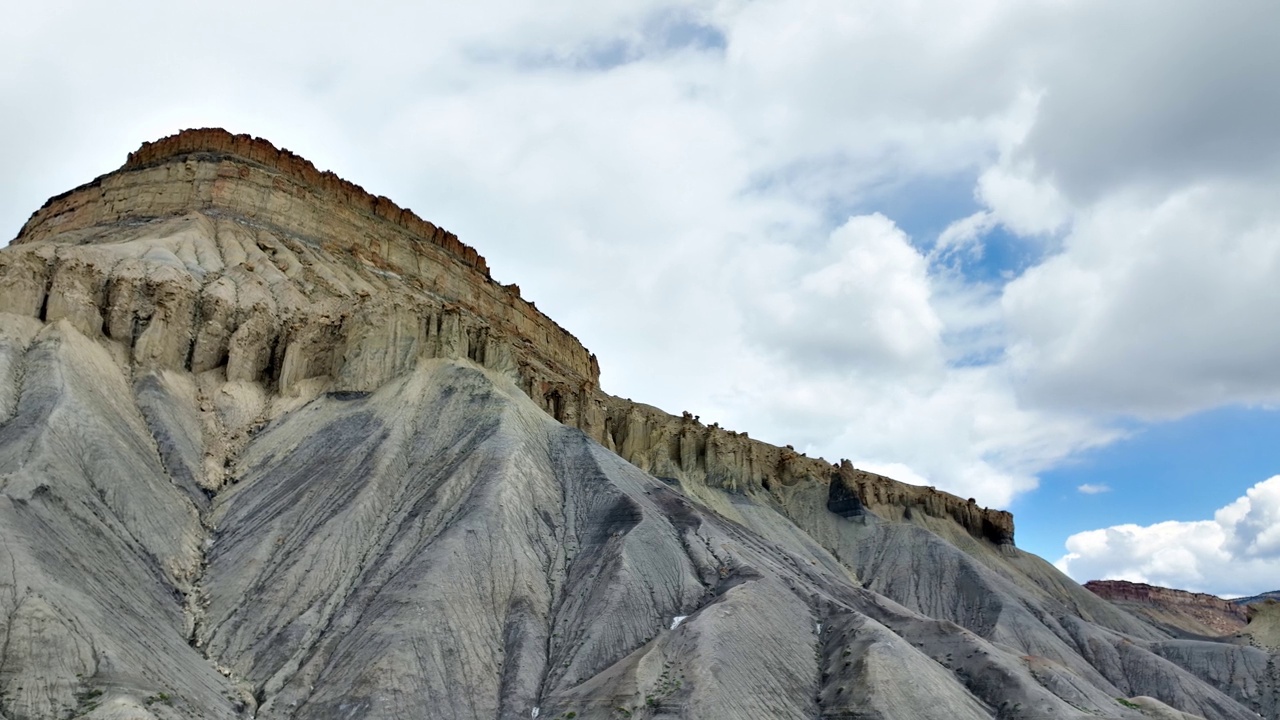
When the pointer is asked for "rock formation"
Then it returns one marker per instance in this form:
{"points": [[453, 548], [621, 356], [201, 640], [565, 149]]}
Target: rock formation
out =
{"points": [[272, 447], [1195, 613], [245, 257]]}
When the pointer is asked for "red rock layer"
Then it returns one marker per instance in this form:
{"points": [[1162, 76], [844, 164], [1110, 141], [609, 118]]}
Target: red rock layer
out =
{"points": [[1196, 612]]}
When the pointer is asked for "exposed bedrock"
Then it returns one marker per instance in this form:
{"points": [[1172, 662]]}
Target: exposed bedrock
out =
{"points": [[1194, 613], [211, 251]]}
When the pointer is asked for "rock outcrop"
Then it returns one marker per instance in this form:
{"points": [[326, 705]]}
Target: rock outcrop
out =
{"points": [[1196, 613], [211, 251], [271, 447]]}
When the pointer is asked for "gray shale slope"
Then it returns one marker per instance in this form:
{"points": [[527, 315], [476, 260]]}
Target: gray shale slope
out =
{"points": [[272, 447]]}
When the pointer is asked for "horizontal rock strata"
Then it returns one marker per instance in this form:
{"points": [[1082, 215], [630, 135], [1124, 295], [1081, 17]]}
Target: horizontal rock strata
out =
{"points": [[211, 251], [1194, 612]]}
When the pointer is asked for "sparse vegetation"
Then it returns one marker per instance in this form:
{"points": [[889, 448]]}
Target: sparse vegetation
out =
{"points": [[86, 701]]}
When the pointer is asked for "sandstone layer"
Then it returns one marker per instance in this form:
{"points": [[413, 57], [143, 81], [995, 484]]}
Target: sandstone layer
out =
{"points": [[228, 254], [1196, 613], [273, 448]]}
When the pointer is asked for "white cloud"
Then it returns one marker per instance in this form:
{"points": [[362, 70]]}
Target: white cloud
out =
{"points": [[963, 235], [862, 301], [1236, 553], [1026, 205], [1156, 306], [1145, 94], [1093, 488]]}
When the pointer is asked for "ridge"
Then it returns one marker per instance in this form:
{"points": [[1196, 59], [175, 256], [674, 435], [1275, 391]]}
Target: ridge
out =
{"points": [[219, 144]]}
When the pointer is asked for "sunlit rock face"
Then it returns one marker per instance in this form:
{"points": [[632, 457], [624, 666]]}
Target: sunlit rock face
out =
{"points": [[1195, 613], [272, 447]]}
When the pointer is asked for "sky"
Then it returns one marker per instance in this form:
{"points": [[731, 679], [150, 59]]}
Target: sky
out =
{"points": [[1026, 251]]}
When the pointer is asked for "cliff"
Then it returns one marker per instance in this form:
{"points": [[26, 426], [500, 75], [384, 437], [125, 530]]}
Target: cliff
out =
{"points": [[212, 252], [1197, 613]]}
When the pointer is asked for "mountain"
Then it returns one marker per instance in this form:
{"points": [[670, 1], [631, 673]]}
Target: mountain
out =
{"points": [[1179, 610], [273, 447]]}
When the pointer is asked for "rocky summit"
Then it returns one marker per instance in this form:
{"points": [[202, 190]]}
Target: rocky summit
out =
{"points": [[273, 447]]}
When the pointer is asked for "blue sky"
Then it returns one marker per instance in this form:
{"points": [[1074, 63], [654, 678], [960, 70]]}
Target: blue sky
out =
{"points": [[1008, 248], [1203, 461], [1155, 471]]}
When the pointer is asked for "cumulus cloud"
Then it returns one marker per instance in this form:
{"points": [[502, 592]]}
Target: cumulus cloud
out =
{"points": [[862, 300], [1093, 488], [1236, 553], [1156, 306]]}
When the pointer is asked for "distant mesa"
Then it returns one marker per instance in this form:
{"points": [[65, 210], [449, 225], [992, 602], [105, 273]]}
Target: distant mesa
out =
{"points": [[1196, 613]]}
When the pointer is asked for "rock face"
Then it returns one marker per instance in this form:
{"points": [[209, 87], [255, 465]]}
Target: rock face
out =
{"points": [[271, 447], [227, 253], [1195, 613]]}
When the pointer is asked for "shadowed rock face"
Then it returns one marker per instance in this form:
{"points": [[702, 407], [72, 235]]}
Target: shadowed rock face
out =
{"points": [[272, 448]]}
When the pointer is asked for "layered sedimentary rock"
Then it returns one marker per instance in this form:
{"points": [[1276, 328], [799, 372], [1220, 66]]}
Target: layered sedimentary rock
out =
{"points": [[1197, 613], [273, 448], [212, 251], [251, 258]]}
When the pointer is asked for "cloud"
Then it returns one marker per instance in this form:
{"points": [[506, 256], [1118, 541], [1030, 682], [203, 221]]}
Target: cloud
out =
{"points": [[1093, 488], [963, 235], [1155, 306], [1236, 553], [1028, 206], [862, 300], [1140, 94]]}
